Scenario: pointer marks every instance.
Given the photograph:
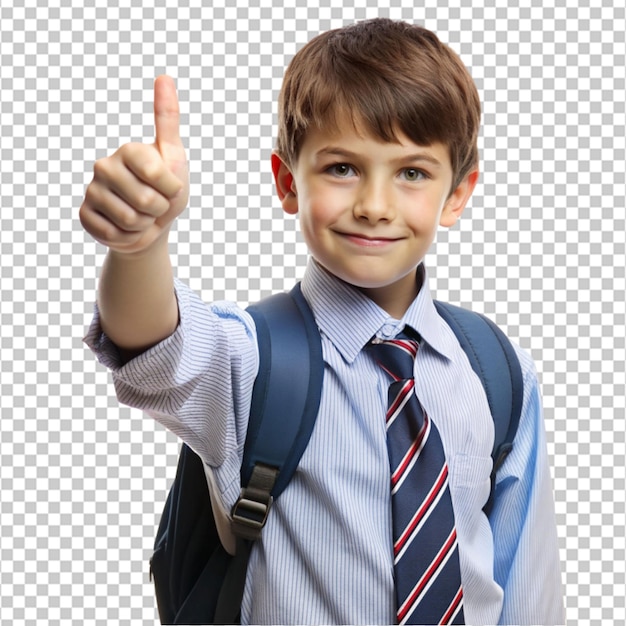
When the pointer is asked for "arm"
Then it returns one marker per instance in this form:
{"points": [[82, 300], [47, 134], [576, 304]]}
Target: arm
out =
{"points": [[129, 206], [197, 383], [136, 299], [526, 551]]}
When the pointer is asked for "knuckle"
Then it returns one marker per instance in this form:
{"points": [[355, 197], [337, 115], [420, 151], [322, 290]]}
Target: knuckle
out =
{"points": [[145, 200], [129, 149], [84, 216], [102, 232], [127, 220], [134, 155], [131, 221], [101, 167], [107, 234], [143, 160], [92, 193], [151, 169]]}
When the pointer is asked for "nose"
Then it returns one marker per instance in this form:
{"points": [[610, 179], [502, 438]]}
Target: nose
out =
{"points": [[374, 202]]}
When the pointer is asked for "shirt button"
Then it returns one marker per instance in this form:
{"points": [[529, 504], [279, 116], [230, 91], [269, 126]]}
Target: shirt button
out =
{"points": [[388, 330]]}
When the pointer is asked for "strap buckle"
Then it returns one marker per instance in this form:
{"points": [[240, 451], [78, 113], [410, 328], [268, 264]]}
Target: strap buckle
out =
{"points": [[249, 514]]}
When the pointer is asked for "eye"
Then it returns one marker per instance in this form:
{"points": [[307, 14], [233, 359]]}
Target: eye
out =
{"points": [[341, 170], [412, 174]]}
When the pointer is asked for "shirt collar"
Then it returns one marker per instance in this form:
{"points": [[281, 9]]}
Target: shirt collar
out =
{"points": [[350, 319]]}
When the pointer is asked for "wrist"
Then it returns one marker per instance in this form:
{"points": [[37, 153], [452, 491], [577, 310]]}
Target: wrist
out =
{"points": [[156, 249]]}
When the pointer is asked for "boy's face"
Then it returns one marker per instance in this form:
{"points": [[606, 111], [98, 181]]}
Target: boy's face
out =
{"points": [[369, 209]]}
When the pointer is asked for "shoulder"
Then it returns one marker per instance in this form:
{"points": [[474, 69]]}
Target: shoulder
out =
{"points": [[528, 367]]}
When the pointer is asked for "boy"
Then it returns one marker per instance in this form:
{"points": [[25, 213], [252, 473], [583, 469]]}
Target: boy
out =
{"points": [[376, 147]]}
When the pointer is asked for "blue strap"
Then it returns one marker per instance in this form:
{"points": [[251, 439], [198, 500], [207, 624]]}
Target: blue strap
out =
{"points": [[494, 360], [288, 387]]}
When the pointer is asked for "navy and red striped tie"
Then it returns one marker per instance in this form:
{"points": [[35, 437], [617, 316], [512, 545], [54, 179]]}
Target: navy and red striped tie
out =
{"points": [[426, 558]]}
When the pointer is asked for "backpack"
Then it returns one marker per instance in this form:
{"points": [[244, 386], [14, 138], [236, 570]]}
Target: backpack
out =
{"points": [[200, 553]]}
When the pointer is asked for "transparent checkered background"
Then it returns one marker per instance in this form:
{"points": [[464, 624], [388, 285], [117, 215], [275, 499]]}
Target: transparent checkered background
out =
{"points": [[541, 249]]}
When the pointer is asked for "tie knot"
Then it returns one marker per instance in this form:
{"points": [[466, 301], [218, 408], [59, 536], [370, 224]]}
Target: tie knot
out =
{"points": [[395, 356]]}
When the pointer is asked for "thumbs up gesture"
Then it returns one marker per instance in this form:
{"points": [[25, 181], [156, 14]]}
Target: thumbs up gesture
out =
{"points": [[137, 192]]}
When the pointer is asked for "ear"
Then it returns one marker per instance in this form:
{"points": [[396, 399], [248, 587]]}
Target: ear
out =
{"points": [[285, 187], [457, 200]]}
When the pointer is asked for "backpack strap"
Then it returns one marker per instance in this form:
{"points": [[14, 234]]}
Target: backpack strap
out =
{"points": [[494, 360], [285, 401]]}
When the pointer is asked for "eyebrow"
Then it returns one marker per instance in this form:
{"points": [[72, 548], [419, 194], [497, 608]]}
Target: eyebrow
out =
{"points": [[347, 154]]}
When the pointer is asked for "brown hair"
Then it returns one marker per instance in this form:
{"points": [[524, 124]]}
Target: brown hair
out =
{"points": [[388, 76]]}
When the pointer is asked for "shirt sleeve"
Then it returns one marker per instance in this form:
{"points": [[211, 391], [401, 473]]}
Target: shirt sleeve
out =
{"points": [[526, 552], [197, 382]]}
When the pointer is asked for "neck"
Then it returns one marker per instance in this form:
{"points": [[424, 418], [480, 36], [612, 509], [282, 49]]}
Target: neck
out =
{"points": [[396, 298]]}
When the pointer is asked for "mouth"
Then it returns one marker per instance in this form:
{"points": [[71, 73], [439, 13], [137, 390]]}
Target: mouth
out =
{"points": [[368, 241]]}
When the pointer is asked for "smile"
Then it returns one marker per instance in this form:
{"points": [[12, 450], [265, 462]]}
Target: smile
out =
{"points": [[368, 242]]}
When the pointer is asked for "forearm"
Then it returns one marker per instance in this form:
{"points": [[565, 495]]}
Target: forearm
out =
{"points": [[136, 298]]}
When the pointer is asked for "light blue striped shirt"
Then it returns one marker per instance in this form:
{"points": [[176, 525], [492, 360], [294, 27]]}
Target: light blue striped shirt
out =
{"points": [[326, 552]]}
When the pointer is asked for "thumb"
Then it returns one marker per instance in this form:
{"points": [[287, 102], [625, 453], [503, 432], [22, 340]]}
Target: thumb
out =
{"points": [[166, 114]]}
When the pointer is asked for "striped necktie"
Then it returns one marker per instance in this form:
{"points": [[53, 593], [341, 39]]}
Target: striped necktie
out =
{"points": [[426, 559]]}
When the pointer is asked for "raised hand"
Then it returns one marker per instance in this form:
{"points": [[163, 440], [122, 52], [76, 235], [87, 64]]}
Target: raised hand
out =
{"points": [[137, 192]]}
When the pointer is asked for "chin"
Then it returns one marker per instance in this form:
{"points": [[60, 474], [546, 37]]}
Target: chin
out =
{"points": [[365, 282], [366, 276]]}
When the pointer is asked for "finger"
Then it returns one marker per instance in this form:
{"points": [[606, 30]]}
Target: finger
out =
{"points": [[111, 207], [166, 113], [114, 174], [149, 167], [105, 231]]}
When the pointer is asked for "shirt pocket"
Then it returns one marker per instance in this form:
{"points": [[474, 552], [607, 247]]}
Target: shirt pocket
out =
{"points": [[470, 480]]}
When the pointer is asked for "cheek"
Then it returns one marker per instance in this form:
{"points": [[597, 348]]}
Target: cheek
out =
{"points": [[318, 213], [308, 215], [424, 218], [318, 208]]}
